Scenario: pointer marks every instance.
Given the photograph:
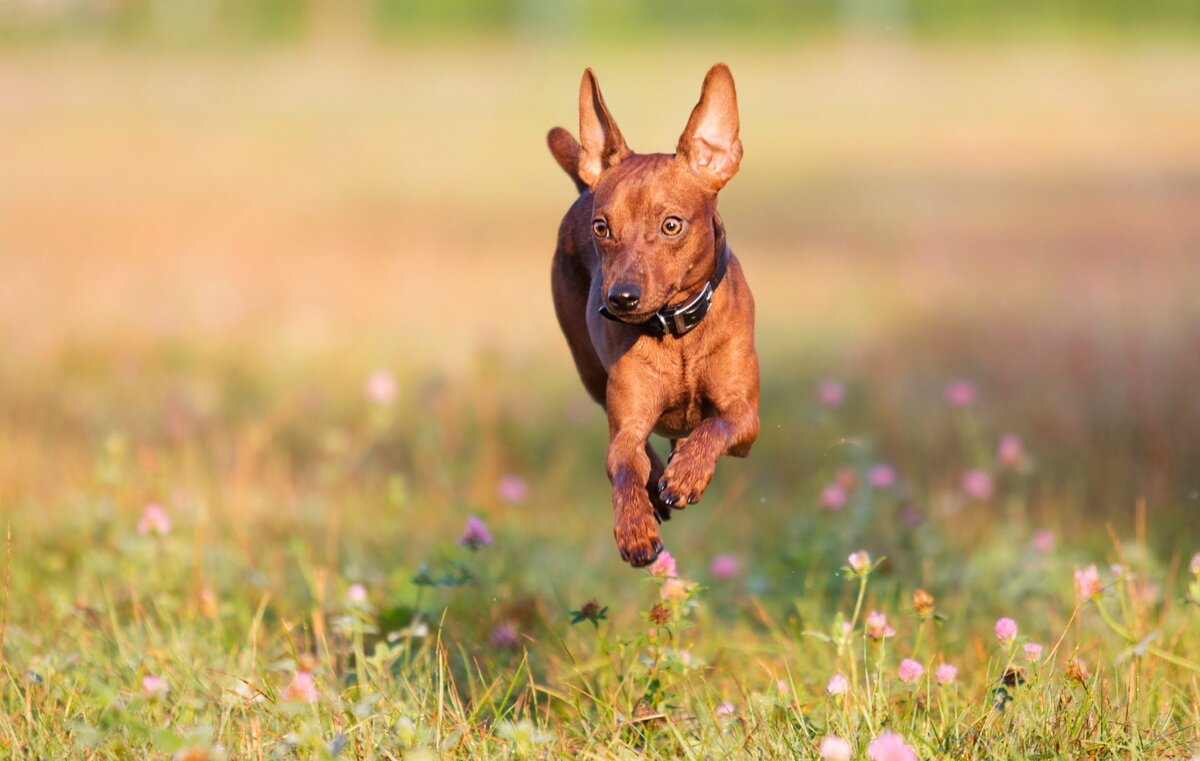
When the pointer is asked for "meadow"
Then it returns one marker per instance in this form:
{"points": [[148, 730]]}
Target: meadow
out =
{"points": [[294, 464]]}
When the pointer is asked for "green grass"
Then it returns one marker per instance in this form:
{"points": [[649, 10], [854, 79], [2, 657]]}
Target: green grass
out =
{"points": [[276, 512]]}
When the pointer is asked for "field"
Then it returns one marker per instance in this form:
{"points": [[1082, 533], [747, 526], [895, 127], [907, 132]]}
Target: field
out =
{"points": [[276, 326]]}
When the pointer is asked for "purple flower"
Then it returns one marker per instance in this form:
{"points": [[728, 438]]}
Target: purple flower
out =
{"points": [[664, 565], [831, 392], [1088, 584], [882, 476], [504, 637], [890, 747], [356, 596], [960, 392], [1043, 540], [837, 685], [155, 687], [302, 689], [512, 488], [725, 566], [833, 497], [1033, 652], [475, 535], [946, 674], [877, 626], [725, 708], [674, 590], [910, 671], [835, 749], [860, 562], [1006, 631], [977, 484]]}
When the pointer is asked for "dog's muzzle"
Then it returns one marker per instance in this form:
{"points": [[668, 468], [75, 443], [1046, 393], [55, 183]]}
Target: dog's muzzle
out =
{"points": [[681, 319]]}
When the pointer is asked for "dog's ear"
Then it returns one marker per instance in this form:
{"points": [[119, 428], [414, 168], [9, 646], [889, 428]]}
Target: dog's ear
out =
{"points": [[603, 145], [710, 142]]}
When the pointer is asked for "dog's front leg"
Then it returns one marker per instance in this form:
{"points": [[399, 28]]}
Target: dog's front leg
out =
{"points": [[694, 460], [632, 412]]}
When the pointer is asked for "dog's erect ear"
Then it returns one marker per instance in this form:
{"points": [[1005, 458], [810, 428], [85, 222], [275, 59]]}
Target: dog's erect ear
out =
{"points": [[603, 145], [710, 142]]}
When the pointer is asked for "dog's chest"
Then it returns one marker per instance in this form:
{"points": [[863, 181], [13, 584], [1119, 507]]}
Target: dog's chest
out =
{"points": [[684, 401]]}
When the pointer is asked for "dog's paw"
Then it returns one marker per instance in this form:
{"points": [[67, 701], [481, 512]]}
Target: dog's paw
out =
{"points": [[636, 532], [662, 511], [685, 479]]}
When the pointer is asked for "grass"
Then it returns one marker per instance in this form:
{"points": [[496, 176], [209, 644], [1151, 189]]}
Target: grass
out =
{"points": [[473, 651], [206, 259]]}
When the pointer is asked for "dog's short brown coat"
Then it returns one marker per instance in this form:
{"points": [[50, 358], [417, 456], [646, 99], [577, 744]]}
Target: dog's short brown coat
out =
{"points": [[700, 390]]}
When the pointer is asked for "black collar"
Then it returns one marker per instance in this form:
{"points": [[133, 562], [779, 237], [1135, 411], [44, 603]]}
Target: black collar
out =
{"points": [[680, 319]]}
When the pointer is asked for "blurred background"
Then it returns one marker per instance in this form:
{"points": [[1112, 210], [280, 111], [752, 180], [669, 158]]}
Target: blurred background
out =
{"points": [[217, 217]]}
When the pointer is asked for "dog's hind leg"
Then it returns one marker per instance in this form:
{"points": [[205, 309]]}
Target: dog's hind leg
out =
{"points": [[662, 511], [570, 291]]}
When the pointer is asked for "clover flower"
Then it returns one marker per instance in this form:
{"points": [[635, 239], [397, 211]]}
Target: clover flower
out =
{"points": [[1006, 631], [663, 565], [945, 674], [1087, 583], [877, 626], [476, 534], [725, 566], [835, 749], [860, 562], [833, 497], [831, 392], [978, 485], [910, 671], [890, 747], [882, 476], [960, 392], [154, 520]]}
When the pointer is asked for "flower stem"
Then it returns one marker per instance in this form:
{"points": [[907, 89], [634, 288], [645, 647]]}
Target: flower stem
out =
{"points": [[1112, 624], [1173, 658], [862, 593]]}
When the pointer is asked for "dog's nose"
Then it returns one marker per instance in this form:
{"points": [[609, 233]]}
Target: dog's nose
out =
{"points": [[624, 297]]}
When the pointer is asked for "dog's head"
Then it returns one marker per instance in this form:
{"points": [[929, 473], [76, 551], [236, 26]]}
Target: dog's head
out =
{"points": [[654, 215]]}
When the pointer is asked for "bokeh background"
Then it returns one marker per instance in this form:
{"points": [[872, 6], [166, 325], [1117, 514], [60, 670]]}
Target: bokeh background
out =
{"points": [[217, 218], [282, 267]]}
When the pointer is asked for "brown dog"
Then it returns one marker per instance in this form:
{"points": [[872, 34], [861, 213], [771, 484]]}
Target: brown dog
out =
{"points": [[644, 247]]}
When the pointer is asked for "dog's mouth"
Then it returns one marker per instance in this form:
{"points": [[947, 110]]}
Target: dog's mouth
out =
{"points": [[630, 318]]}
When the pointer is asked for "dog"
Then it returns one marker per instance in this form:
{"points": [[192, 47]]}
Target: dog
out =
{"points": [[654, 306]]}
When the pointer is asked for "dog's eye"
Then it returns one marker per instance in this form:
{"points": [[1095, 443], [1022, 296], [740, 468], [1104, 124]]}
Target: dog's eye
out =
{"points": [[672, 226], [600, 228]]}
